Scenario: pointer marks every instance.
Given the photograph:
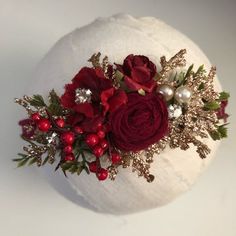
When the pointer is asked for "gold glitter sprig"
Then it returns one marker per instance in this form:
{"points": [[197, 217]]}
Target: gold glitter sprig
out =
{"points": [[177, 60], [197, 121], [95, 60], [193, 106]]}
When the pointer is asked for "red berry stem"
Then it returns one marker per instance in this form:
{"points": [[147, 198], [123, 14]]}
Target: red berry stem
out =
{"points": [[109, 145]]}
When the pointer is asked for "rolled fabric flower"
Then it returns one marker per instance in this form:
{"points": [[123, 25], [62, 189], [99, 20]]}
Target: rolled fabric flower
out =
{"points": [[139, 123]]}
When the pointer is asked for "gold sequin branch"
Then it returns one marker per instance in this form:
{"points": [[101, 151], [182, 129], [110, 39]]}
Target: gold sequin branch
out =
{"points": [[177, 60], [95, 60], [24, 102]]}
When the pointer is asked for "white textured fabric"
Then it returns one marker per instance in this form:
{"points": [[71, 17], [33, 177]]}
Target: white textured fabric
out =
{"points": [[175, 171]]}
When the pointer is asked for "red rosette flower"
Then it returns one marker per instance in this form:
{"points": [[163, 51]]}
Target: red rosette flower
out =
{"points": [[138, 124], [87, 78], [139, 73]]}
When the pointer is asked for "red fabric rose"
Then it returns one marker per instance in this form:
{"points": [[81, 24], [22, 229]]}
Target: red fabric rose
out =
{"points": [[87, 78], [139, 72], [140, 123], [113, 98]]}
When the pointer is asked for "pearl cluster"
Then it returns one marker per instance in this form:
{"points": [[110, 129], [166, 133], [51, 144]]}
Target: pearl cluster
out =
{"points": [[82, 95], [182, 94]]}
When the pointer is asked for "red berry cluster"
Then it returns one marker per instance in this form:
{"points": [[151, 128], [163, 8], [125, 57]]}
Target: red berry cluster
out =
{"points": [[97, 142], [43, 124], [67, 139]]}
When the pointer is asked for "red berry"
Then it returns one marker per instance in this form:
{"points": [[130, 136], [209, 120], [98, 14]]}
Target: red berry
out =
{"points": [[98, 151], [35, 117], [68, 138], [93, 167], [60, 122], [69, 157], [102, 174], [115, 157], [78, 130], [104, 144], [92, 140], [101, 134], [68, 149], [44, 125]]}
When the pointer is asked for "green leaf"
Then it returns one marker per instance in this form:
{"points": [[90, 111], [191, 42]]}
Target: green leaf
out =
{"points": [[53, 97], [200, 70], [23, 162], [79, 170], [223, 131], [45, 160], [201, 86], [215, 135], [37, 101], [212, 105], [32, 161], [224, 96], [119, 76], [188, 71], [180, 78], [73, 169], [219, 133], [67, 165], [22, 157], [55, 107]]}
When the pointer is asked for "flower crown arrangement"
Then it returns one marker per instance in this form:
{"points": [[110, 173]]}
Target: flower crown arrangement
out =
{"points": [[113, 116]]}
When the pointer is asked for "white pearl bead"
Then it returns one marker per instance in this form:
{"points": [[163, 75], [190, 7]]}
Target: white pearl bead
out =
{"points": [[183, 94], [166, 90]]}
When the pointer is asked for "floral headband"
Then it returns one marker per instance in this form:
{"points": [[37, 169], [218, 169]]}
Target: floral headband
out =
{"points": [[113, 116]]}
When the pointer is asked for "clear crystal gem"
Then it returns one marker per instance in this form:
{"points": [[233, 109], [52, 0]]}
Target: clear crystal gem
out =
{"points": [[82, 95], [175, 111]]}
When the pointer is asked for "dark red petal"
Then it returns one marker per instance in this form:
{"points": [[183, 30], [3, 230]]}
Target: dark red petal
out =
{"points": [[131, 84], [117, 100], [68, 98], [85, 108], [140, 74], [105, 95]]}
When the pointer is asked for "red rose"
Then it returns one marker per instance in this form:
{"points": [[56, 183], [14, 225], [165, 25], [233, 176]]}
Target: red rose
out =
{"points": [[87, 78], [139, 72], [138, 124]]}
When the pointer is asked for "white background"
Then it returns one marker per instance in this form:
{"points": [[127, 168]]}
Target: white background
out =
{"points": [[29, 206]]}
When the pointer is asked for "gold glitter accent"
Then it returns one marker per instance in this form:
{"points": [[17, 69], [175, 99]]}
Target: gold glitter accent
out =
{"points": [[190, 127], [24, 102], [177, 60], [95, 60]]}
